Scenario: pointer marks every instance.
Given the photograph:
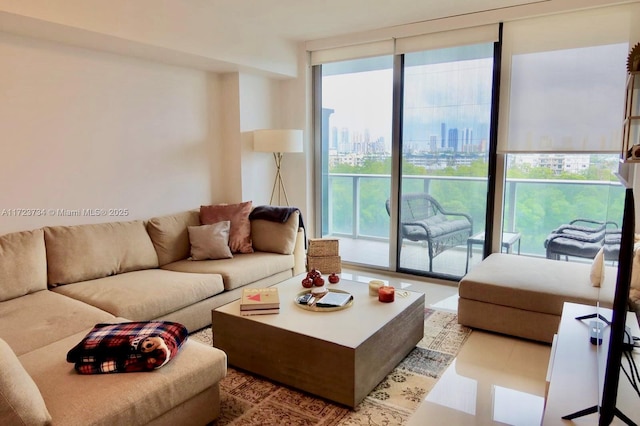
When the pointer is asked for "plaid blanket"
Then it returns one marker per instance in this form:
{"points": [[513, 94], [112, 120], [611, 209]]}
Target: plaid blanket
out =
{"points": [[127, 347]]}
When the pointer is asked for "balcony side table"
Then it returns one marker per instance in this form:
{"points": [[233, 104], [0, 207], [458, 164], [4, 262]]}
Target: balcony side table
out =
{"points": [[508, 240]]}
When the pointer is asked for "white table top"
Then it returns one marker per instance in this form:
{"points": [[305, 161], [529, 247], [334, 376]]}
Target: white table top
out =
{"points": [[349, 327]]}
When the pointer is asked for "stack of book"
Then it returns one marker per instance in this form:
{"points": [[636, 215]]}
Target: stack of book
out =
{"points": [[260, 301]]}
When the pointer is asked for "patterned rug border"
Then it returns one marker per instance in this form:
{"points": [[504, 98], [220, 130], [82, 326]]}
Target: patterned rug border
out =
{"points": [[248, 399]]}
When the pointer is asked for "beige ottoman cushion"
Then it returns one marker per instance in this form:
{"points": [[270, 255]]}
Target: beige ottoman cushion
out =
{"points": [[534, 284]]}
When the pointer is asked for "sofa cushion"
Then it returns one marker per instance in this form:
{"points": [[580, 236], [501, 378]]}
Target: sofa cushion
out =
{"points": [[23, 264], [534, 284], [170, 236], [39, 318], [120, 399], [85, 252], [144, 295], [275, 237], [238, 214], [241, 270], [20, 400], [210, 241]]}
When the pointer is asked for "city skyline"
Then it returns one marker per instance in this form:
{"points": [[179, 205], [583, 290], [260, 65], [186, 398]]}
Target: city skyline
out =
{"points": [[451, 139]]}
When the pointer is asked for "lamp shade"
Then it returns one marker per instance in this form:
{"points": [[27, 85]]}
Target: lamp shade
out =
{"points": [[286, 140]]}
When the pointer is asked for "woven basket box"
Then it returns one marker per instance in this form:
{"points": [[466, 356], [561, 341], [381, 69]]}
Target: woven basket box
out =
{"points": [[323, 247], [325, 264]]}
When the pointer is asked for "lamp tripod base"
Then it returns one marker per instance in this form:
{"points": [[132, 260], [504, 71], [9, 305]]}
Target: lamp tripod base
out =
{"points": [[278, 183]]}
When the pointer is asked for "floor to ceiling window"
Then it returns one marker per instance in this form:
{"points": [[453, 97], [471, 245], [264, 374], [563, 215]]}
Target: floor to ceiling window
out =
{"points": [[563, 130], [424, 122]]}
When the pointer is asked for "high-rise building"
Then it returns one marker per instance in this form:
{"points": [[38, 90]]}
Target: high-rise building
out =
{"points": [[443, 129], [452, 142], [344, 145], [333, 142], [433, 143]]}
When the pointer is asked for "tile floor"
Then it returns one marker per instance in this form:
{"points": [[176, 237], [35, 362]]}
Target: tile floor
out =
{"points": [[494, 380]]}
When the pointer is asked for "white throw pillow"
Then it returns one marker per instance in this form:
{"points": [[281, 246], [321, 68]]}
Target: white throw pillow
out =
{"points": [[210, 241], [597, 269]]}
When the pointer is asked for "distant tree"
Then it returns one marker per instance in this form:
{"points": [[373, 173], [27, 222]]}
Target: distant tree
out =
{"points": [[540, 207]]}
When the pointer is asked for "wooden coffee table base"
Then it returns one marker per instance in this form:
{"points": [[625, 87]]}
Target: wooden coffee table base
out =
{"points": [[344, 373]]}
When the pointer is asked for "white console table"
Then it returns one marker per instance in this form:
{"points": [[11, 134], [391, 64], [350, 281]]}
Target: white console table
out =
{"points": [[576, 366]]}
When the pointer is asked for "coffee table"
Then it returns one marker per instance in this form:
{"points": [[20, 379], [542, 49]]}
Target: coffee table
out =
{"points": [[338, 355]]}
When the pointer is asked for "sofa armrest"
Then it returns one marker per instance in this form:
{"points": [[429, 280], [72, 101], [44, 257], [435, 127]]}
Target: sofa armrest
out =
{"points": [[20, 399], [299, 253]]}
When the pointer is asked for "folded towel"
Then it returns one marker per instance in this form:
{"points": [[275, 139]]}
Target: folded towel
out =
{"points": [[127, 347]]}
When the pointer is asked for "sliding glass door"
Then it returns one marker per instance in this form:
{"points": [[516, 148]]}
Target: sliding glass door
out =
{"points": [[414, 126], [445, 145]]}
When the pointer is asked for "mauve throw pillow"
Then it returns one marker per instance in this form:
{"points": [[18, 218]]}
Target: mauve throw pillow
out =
{"points": [[238, 215], [210, 241]]}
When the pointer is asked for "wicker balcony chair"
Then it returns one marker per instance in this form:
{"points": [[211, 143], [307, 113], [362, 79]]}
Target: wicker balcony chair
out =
{"points": [[424, 219]]}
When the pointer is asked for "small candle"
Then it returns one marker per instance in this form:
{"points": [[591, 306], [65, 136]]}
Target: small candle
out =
{"points": [[386, 294], [374, 285]]}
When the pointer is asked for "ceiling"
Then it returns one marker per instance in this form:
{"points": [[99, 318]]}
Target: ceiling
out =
{"points": [[303, 20], [254, 35]]}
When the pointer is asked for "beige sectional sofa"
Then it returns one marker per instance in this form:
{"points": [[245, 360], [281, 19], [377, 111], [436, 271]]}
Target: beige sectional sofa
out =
{"points": [[523, 296], [56, 283]]}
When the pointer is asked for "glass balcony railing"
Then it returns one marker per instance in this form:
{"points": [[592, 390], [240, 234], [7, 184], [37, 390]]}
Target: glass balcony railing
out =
{"points": [[532, 207]]}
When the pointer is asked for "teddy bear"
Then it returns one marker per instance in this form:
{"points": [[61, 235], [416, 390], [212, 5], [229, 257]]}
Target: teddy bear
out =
{"points": [[152, 352], [155, 350]]}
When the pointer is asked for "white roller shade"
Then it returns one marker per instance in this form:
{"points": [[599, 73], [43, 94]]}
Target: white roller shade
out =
{"points": [[356, 51], [416, 43], [440, 40], [563, 80]]}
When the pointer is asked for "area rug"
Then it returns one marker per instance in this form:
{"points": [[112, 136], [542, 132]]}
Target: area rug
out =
{"points": [[247, 399]]}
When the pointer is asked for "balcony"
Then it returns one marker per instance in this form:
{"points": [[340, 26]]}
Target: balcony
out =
{"points": [[355, 213]]}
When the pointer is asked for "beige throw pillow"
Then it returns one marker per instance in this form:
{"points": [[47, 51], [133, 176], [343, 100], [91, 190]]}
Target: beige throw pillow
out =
{"points": [[86, 252], [597, 269], [210, 241], [23, 264], [21, 402], [170, 236], [238, 215], [275, 237]]}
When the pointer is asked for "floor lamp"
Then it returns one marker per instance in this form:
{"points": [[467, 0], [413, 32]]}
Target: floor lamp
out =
{"points": [[278, 142]]}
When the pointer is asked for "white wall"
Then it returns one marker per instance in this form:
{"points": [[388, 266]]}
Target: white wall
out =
{"points": [[199, 35], [259, 109], [87, 130], [295, 102]]}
